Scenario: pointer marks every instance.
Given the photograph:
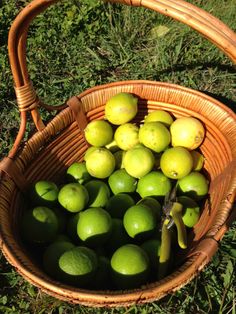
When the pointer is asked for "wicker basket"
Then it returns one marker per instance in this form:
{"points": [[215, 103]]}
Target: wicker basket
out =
{"points": [[58, 144]]}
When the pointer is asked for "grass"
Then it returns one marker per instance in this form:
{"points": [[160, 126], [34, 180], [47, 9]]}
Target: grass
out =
{"points": [[78, 44]]}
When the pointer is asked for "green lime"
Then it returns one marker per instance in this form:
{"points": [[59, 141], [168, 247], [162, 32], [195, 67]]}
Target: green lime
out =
{"points": [[126, 136], [159, 116], [140, 221], [73, 197], [155, 183], [77, 172], [88, 151], [176, 162], [98, 133], [121, 108], [99, 193], [94, 226], [39, 225], [191, 211], [152, 203], [187, 132], [52, 255], [100, 163], [198, 160], [118, 204], [44, 193], [152, 248], [122, 182], [130, 267], [79, 265], [138, 161], [194, 185], [155, 136]]}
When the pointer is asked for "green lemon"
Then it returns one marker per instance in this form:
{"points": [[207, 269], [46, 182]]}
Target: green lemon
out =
{"points": [[44, 193], [52, 255], [138, 161], [39, 225], [191, 211], [126, 136], [155, 183], [152, 203], [98, 133], [195, 185], [198, 160], [159, 116], [94, 226], [118, 204], [139, 221], [73, 197], [187, 132], [122, 182], [100, 163], [121, 108], [155, 136], [176, 162], [130, 267], [78, 266], [99, 193], [152, 248], [77, 172]]}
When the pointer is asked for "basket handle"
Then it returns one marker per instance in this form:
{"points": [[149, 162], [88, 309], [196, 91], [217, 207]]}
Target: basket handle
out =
{"points": [[206, 24]]}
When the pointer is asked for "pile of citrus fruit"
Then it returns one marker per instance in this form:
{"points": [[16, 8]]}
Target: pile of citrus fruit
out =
{"points": [[121, 213]]}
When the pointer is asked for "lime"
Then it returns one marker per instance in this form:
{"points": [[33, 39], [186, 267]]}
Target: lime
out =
{"points": [[119, 156], [100, 163], [73, 197], [187, 132], [138, 161], [176, 162], [44, 193], [194, 185], [155, 183], [77, 172], [52, 255], [78, 265], [121, 108], [152, 248], [130, 267], [198, 160], [126, 136], [155, 136], [99, 193], [98, 133], [152, 203], [39, 225], [88, 151], [118, 204], [191, 211], [118, 235], [94, 226], [122, 182], [71, 227], [159, 116], [139, 221]]}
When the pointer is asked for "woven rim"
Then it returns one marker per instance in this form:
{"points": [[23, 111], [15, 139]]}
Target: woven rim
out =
{"points": [[48, 153]]}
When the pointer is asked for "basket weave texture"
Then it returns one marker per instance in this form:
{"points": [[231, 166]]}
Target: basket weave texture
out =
{"points": [[55, 146]]}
